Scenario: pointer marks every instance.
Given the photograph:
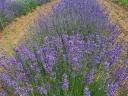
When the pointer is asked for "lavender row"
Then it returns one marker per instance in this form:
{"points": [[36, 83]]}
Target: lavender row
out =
{"points": [[10, 9]]}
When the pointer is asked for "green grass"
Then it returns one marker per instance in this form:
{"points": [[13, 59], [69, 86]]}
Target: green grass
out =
{"points": [[123, 3]]}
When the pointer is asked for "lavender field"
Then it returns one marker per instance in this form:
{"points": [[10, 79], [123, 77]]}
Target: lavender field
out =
{"points": [[73, 51]]}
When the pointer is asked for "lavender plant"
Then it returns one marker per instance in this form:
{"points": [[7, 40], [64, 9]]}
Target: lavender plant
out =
{"points": [[52, 70], [10, 9]]}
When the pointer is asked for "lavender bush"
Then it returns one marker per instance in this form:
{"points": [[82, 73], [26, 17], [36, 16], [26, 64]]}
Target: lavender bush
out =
{"points": [[10, 9], [55, 70], [72, 52]]}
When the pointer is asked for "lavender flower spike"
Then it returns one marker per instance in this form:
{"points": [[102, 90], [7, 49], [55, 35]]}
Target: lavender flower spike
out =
{"points": [[64, 82], [111, 89], [89, 77], [86, 91]]}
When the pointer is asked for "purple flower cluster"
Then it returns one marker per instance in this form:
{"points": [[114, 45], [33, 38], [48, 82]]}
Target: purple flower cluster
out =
{"points": [[89, 77], [97, 46], [29, 65], [26, 67], [64, 82], [47, 55], [111, 89], [86, 91]]}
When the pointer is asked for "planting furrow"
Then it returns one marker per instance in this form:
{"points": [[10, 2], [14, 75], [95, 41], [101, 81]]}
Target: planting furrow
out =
{"points": [[118, 16]]}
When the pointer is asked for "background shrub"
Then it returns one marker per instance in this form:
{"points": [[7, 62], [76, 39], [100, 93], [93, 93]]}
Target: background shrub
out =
{"points": [[11, 9]]}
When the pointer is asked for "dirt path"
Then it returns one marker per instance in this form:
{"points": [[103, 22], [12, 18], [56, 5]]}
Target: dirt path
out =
{"points": [[16, 30], [118, 16]]}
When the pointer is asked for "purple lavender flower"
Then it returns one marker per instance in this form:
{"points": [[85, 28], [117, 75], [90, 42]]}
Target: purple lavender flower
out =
{"points": [[64, 82], [107, 65], [75, 46], [48, 57], [89, 77], [48, 68], [40, 89], [111, 89], [86, 91], [13, 61], [22, 91], [43, 89], [112, 55], [119, 73], [20, 67], [2, 93]]}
